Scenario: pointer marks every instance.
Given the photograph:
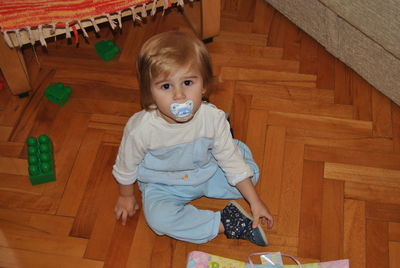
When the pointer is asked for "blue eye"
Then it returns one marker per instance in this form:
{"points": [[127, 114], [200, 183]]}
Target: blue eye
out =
{"points": [[166, 86], [188, 82]]}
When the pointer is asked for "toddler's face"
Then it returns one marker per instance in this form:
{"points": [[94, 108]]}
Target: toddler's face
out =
{"points": [[178, 96]]}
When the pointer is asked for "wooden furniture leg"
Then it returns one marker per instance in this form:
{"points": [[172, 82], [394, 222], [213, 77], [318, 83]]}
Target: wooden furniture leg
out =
{"points": [[204, 17], [12, 65]]}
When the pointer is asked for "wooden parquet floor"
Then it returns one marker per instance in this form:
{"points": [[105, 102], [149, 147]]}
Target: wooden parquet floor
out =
{"points": [[327, 142]]}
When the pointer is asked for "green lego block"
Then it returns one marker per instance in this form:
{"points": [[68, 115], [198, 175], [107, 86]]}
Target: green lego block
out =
{"points": [[40, 160], [107, 50], [58, 93]]}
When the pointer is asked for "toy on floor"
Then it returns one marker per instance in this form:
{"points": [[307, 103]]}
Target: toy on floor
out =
{"points": [[107, 50], [1, 82], [40, 160], [58, 93]]}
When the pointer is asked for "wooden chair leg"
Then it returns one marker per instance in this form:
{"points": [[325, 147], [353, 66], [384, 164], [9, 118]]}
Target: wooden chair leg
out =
{"points": [[204, 17], [12, 65]]}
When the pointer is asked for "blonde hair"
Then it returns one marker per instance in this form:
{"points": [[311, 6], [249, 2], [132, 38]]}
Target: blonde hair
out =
{"points": [[166, 52]]}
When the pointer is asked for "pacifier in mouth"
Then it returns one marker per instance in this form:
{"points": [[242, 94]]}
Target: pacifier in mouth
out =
{"points": [[182, 110]]}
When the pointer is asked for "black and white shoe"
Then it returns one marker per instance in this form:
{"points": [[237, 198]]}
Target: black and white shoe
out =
{"points": [[238, 225]]}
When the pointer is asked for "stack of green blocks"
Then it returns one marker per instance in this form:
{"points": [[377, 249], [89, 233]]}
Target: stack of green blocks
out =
{"points": [[58, 93], [107, 50], [40, 160]]}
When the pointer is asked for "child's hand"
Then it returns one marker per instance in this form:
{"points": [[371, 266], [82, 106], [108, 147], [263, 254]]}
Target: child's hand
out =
{"points": [[258, 208], [126, 206], [261, 213]]}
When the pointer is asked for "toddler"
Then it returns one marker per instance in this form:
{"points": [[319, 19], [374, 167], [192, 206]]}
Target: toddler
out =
{"points": [[179, 148]]}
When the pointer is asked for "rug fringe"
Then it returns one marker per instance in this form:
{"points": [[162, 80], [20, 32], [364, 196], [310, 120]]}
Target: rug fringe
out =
{"points": [[154, 8], [144, 10], [85, 34], [7, 39], [41, 36], [30, 34], [111, 21], [134, 14], [39, 29]]}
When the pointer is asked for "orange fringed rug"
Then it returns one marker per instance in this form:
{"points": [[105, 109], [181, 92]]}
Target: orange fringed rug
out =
{"points": [[17, 15]]}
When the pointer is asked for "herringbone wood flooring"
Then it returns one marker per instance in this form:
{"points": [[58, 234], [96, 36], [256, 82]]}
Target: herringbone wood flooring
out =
{"points": [[327, 142]]}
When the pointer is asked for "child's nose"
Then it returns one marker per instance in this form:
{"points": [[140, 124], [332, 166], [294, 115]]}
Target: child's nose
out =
{"points": [[179, 94]]}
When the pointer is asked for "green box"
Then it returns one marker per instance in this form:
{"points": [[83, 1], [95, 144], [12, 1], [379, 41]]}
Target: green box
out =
{"points": [[107, 50], [58, 93], [40, 160]]}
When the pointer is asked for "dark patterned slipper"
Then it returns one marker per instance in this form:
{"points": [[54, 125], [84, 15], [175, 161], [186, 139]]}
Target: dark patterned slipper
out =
{"points": [[238, 225]]}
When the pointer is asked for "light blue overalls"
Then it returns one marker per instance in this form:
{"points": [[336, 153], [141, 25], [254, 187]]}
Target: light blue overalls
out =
{"points": [[165, 206]]}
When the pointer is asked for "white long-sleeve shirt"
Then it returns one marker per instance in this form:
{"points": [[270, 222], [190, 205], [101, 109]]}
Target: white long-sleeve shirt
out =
{"points": [[153, 150]]}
